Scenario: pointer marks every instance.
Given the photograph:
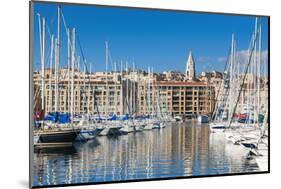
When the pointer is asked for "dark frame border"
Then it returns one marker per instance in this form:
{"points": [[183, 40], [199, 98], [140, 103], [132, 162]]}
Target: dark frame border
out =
{"points": [[31, 48]]}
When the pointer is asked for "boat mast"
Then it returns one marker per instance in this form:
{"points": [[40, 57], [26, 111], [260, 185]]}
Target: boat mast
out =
{"points": [[133, 91], [255, 75], [68, 66], [115, 92], [264, 82], [237, 71], [106, 79], [259, 72], [78, 83], [89, 90], [219, 101], [72, 74], [249, 86], [43, 65], [93, 94], [121, 92], [152, 92], [149, 95], [83, 94], [57, 62], [138, 94], [51, 73], [231, 77], [56, 52], [252, 48], [127, 88]]}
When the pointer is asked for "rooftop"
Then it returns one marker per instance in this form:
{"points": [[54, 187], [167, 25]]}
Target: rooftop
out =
{"points": [[181, 83]]}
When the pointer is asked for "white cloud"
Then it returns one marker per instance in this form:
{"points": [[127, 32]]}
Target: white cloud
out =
{"points": [[222, 59], [243, 56], [204, 59]]}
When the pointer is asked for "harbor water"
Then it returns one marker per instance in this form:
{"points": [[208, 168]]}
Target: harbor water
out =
{"points": [[182, 149]]}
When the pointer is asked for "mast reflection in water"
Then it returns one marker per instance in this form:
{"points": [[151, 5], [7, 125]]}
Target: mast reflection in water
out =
{"points": [[183, 149]]}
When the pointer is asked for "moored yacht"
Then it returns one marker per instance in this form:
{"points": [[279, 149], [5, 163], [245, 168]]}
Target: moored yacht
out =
{"points": [[89, 130], [55, 137], [203, 119], [217, 127], [111, 128]]}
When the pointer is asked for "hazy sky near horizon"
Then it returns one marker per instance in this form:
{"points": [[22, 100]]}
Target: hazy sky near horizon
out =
{"points": [[155, 38]]}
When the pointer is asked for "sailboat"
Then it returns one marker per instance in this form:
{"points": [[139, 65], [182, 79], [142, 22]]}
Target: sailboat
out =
{"points": [[52, 135], [148, 121], [90, 129], [261, 156], [128, 127], [248, 132], [128, 121], [111, 126], [221, 115]]}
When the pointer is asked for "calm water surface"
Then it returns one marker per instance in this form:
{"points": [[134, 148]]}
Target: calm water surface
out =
{"points": [[183, 149]]}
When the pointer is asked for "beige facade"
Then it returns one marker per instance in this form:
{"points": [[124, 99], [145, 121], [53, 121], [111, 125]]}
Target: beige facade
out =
{"points": [[176, 98], [131, 92], [92, 93]]}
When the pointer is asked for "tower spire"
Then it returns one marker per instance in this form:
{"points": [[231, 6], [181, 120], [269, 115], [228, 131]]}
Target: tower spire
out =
{"points": [[190, 67]]}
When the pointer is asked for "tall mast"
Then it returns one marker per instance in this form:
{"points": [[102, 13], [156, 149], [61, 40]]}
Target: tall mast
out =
{"points": [[254, 74], [237, 70], [43, 65], [40, 34], [127, 87], [252, 48], [249, 77], [133, 90], [57, 63], [115, 92], [72, 74], [93, 92], [121, 87], [149, 95], [56, 74], [59, 11], [89, 90], [231, 76], [106, 79], [42, 57], [78, 83], [51, 73], [131, 93], [84, 91], [137, 89], [68, 67], [259, 71], [151, 91]]}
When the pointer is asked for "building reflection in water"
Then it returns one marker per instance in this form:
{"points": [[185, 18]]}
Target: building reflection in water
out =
{"points": [[183, 149]]}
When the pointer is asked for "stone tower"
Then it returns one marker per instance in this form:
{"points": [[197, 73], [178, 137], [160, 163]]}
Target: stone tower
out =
{"points": [[190, 68]]}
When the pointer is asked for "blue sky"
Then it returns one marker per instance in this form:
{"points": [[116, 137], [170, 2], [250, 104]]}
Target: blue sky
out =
{"points": [[155, 38]]}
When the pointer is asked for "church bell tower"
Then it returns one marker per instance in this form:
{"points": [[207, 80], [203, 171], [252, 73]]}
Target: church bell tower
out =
{"points": [[190, 68]]}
